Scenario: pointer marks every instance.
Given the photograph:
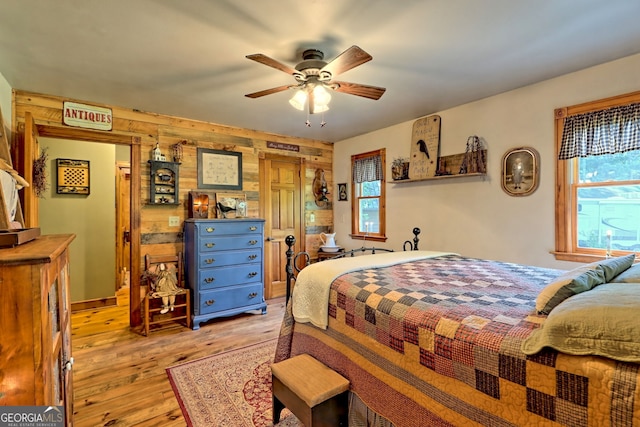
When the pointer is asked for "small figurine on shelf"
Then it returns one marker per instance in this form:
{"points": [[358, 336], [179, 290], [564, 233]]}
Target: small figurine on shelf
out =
{"points": [[156, 153]]}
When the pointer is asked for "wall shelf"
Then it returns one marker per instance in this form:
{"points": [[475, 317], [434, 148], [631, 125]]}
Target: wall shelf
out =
{"points": [[473, 161], [435, 178], [164, 185]]}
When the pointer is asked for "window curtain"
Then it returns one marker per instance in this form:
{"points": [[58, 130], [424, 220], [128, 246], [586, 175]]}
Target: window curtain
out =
{"points": [[367, 169], [614, 130]]}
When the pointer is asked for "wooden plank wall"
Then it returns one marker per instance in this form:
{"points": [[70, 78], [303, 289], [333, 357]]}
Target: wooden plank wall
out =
{"points": [[156, 235]]}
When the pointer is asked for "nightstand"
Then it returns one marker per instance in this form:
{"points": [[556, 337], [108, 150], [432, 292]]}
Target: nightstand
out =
{"points": [[326, 255]]}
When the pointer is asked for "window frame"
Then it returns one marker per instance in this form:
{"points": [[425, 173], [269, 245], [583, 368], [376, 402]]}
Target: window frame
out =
{"points": [[566, 173], [355, 211]]}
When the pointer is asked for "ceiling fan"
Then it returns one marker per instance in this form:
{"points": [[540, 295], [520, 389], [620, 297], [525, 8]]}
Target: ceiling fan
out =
{"points": [[314, 72]]}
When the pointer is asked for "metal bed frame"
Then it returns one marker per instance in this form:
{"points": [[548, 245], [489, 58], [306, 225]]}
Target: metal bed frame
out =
{"points": [[292, 268]]}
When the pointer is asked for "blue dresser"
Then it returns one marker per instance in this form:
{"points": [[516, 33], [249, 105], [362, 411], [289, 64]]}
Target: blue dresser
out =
{"points": [[224, 266]]}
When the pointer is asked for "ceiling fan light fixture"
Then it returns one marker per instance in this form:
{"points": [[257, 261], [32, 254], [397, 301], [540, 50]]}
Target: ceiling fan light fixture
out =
{"points": [[299, 99], [314, 77], [320, 108], [321, 97]]}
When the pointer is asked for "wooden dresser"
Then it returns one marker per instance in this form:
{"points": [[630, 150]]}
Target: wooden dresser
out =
{"points": [[224, 266], [35, 351]]}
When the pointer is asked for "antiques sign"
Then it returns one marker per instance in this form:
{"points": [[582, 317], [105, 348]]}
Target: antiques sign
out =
{"points": [[283, 146], [87, 116]]}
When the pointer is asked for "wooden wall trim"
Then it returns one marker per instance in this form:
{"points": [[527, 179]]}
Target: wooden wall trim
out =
{"points": [[142, 130]]}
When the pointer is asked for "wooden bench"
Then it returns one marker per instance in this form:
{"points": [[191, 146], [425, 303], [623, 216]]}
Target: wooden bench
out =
{"points": [[314, 393]]}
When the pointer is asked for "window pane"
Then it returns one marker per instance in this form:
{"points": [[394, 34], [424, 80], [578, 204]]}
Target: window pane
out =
{"points": [[610, 167], [615, 208], [369, 215], [371, 188]]}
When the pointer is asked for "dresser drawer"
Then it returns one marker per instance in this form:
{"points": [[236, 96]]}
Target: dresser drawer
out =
{"points": [[220, 259], [227, 243], [224, 299], [241, 227], [231, 275]]}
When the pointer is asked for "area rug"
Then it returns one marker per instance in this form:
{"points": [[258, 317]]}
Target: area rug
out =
{"points": [[229, 389]]}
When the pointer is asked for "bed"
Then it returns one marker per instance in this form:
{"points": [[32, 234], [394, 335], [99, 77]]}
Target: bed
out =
{"points": [[438, 339]]}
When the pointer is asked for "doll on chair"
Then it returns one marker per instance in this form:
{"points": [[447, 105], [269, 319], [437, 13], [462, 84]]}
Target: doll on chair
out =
{"points": [[166, 286]]}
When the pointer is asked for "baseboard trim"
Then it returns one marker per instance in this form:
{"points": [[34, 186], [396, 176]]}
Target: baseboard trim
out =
{"points": [[93, 304]]}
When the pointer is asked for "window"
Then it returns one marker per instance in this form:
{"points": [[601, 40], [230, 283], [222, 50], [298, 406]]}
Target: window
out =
{"points": [[368, 201], [598, 176]]}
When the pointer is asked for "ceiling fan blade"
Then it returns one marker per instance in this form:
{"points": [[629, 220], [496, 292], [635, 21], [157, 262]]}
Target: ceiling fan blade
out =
{"points": [[371, 92], [263, 59], [268, 91], [347, 60]]}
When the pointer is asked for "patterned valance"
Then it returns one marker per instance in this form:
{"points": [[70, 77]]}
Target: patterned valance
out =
{"points": [[367, 169], [614, 130]]}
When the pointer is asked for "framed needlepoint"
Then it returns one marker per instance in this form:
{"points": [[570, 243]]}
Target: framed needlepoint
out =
{"points": [[73, 177], [219, 169]]}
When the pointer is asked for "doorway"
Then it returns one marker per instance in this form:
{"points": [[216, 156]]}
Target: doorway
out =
{"points": [[282, 207], [29, 133], [123, 225]]}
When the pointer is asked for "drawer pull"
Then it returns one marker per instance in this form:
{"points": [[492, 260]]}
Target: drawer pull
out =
{"points": [[209, 229], [253, 228], [209, 279], [253, 294], [253, 256], [209, 245], [253, 274], [253, 242], [210, 302], [209, 261]]}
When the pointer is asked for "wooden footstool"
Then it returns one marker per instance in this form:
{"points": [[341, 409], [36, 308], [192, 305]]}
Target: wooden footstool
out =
{"points": [[314, 393]]}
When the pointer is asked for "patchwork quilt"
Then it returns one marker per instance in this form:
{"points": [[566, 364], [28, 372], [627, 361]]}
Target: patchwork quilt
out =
{"points": [[437, 342]]}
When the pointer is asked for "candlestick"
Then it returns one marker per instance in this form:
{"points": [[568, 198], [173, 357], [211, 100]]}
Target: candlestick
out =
{"points": [[608, 243]]}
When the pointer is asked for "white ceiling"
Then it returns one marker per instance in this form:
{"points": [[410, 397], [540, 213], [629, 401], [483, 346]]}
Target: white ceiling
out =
{"points": [[186, 58]]}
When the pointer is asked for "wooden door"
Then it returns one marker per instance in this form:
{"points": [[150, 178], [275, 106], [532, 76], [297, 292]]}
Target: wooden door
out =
{"points": [[123, 223], [282, 206]]}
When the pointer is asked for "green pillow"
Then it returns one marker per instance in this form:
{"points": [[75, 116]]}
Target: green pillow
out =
{"points": [[581, 279], [572, 282], [630, 275], [603, 322], [614, 266]]}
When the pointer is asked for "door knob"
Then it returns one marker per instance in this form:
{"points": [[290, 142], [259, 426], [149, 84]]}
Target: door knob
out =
{"points": [[269, 239]]}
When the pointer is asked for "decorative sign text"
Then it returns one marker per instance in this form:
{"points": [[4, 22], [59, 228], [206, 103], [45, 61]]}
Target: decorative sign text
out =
{"points": [[87, 116], [283, 146]]}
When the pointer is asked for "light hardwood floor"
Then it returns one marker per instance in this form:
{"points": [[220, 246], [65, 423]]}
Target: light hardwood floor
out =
{"points": [[119, 375]]}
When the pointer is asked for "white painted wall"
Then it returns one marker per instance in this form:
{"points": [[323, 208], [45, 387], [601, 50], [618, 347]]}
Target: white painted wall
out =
{"points": [[472, 216], [91, 218]]}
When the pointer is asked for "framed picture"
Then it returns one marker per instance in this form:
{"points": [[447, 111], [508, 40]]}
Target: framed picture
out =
{"points": [[231, 205], [342, 192], [219, 169], [520, 171]]}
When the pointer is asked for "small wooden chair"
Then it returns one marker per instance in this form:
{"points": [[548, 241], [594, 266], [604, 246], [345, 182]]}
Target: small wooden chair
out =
{"points": [[153, 304]]}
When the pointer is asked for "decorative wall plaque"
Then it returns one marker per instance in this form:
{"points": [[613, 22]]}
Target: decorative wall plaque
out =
{"points": [[73, 176], [425, 147]]}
